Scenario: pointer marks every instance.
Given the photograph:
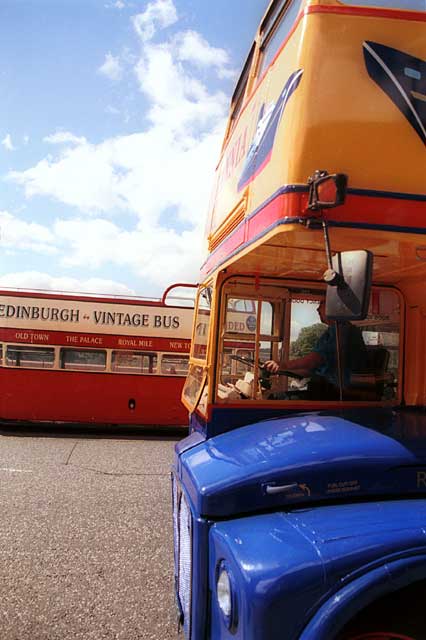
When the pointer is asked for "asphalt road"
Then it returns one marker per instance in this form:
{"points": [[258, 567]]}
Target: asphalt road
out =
{"points": [[86, 537]]}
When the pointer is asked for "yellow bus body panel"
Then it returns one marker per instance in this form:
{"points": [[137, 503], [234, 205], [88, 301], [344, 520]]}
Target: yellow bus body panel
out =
{"points": [[337, 118]]}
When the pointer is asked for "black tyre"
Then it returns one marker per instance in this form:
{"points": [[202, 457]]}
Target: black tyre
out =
{"points": [[398, 616]]}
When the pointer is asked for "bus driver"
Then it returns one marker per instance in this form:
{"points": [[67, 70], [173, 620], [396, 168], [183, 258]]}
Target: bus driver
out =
{"points": [[320, 365]]}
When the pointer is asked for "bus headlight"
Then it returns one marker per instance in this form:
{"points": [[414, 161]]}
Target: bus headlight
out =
{"points": [[226, 595]]}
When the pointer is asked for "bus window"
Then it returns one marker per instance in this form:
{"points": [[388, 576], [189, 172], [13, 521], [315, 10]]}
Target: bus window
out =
{"points": [[249, 337], [194, 384], [275, 32], [30, 357], [369, 350], [306, 326], [196, 380], [381, 335], [174, 365], [240, 91], [238, 351], [202, 324], [375, 376], [408, 5], [83, 360], [133, 362], [305, 330]]}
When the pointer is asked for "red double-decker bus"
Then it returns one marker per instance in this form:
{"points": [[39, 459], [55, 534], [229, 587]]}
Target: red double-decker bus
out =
{"points": [[80, 359]]}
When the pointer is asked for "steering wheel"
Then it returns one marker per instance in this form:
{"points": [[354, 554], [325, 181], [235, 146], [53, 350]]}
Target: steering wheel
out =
{"points": [[290, 374], [248, 361], [281, 372]]}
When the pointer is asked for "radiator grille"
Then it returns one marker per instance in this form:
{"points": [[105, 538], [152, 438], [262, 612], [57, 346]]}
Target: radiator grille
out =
{"points": [[182, 531]]}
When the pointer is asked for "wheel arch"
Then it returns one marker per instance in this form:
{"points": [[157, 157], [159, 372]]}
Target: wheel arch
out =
{"points": [[345, 604]]}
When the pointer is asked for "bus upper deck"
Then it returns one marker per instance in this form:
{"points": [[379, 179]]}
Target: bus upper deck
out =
{"points": [[334, 85]]}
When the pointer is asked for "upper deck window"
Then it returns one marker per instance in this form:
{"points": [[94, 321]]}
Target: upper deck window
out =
{"points": [[408, 5], [276, 27], [240, 90]]}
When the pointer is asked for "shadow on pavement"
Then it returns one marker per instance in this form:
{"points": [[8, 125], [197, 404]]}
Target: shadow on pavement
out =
{"points": [[82, 431]]}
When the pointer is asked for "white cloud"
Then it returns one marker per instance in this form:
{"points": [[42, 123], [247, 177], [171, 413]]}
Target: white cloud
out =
{"points": [[111, 67], [7, 142], [191, 47], [64, 137], [118, 4], [179, 100], [112, 110], [161, 175], [160, 255], [38, 280], [18, 235], [143, 173], [82, 177], [158, 14]]}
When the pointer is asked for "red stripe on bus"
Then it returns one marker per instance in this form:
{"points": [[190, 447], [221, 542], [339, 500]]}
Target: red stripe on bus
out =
{"points": [[380, 211], [93, 341], [371, 12], [358, 210], [283, 206]]}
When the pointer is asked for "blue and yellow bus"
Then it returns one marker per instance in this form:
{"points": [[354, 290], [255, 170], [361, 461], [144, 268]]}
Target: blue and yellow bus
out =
{"points": [[300, 495]]}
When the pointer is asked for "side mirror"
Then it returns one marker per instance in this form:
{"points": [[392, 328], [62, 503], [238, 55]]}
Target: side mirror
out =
{"points": [[348, 297], [327, 191]]}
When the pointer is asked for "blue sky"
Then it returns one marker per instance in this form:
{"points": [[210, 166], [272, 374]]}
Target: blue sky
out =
{"points": [[112, 115]]}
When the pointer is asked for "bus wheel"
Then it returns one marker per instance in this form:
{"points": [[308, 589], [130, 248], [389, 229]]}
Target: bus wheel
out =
{"points": [[397, 616], [384, 631]]}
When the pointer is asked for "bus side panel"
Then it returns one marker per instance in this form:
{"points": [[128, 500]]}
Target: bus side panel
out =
{"points": [[353, 116], [331, 106], [58, 396], [248, 158]]}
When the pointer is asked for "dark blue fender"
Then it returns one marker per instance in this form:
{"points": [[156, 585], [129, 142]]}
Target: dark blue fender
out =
{"points": [[354, 597], [303, 574]]}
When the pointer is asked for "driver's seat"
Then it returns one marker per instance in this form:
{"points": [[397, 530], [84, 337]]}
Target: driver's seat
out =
{"points": [[371, 381]]}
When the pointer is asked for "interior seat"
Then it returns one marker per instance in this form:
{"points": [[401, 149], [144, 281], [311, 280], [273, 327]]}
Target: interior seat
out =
{"points": [[370, 382]]}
